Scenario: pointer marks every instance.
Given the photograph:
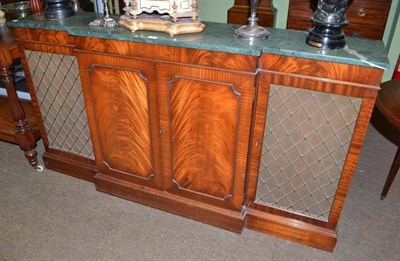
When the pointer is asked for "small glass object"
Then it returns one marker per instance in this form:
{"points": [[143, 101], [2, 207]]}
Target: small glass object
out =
{"points": [[105, 21], [252, 30]]}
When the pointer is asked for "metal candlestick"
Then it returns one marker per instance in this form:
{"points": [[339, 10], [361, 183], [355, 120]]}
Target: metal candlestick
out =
{"points": [[105, 21], [252, 30], [328, 20]]}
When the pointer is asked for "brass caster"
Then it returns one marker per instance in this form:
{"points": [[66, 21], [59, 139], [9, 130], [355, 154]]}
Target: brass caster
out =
{"points": [[39, 168]]}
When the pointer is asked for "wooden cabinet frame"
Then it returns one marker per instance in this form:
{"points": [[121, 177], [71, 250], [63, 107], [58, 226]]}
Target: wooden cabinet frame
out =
{"points": [[322, 77], [155, 111], [61, 43]]}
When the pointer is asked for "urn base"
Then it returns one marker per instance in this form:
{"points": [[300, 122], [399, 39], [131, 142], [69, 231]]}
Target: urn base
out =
{"points": [[326, 37]]}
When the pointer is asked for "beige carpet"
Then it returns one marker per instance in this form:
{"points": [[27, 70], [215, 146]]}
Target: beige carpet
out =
{"points": [[50, 216]]}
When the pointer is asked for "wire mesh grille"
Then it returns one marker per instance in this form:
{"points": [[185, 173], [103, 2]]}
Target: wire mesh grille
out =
{"points": [[307, 136], [59, 92]]}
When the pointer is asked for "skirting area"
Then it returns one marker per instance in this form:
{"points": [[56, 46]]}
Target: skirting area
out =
{"points": [[51, 216]]}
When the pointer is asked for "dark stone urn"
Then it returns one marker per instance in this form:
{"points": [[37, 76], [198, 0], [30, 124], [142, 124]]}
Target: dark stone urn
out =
{"points": [[328, 20], [58, 9]]}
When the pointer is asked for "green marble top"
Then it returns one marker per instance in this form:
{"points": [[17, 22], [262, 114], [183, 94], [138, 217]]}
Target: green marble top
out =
{"points": [[219, 37]]}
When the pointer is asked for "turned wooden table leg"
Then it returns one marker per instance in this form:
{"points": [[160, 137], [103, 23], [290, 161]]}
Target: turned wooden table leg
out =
{"points": [[25, 134], [392, 174]]}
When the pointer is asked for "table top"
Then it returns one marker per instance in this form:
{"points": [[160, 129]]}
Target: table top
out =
{"points": [[388, 101]]}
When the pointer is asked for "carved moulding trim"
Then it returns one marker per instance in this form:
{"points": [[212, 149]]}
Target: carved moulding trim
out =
{"points": [[148, 177]]}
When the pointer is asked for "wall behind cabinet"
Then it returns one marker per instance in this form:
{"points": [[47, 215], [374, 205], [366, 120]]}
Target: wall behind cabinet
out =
{"points": [[216, 11]]}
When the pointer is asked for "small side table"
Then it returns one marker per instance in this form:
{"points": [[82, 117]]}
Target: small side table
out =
{"points": [[24, 131], [388, 105]]}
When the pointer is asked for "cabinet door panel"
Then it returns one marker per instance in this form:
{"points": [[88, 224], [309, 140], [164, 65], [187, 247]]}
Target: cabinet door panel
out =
{"points": [[207, 121], [119, 108], [203, 156]]}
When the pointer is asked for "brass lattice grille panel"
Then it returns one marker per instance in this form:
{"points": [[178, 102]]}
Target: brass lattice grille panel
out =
{"points": [[306, 139], [59, 92]]}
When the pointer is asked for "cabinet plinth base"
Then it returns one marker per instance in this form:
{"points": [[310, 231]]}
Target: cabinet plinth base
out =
{"points": [[215, 216], [69, 167], [289, 229]]}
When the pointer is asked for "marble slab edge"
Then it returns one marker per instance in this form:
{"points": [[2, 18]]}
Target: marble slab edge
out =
{"points": [[220, 37]]}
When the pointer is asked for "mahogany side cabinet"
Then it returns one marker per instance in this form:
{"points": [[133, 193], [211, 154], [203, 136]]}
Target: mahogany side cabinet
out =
{"points": [[211, 128]]}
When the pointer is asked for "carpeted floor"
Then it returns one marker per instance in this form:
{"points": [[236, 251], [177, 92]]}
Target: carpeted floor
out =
{"points": [[51, 216]]}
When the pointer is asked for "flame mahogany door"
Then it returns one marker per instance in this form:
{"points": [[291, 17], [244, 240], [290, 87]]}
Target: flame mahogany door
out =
{"points": [[121, 102], [205, 122]]}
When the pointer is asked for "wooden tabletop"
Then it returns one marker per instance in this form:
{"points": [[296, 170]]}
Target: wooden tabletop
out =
{"points": [[388, 101]]}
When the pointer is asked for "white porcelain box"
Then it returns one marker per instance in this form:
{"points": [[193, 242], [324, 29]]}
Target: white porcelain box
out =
{"points": [[174, 8]]}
